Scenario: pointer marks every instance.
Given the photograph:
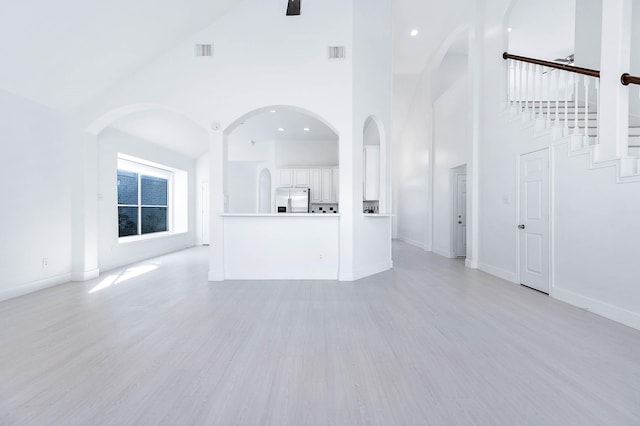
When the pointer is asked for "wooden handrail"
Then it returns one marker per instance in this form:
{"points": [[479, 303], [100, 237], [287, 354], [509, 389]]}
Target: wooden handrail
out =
{"points": [[570, 68], [627, 79]]}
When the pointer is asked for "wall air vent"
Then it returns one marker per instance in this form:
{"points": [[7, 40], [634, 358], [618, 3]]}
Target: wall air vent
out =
{"points": [[204, 50], [336, 53]]}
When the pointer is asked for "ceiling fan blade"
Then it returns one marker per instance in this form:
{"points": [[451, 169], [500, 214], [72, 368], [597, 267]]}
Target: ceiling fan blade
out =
{"points": [[293, 7]]}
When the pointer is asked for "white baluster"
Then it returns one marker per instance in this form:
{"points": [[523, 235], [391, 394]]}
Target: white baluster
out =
{"points": [[534, 84], [540, 78], [587, 82], [530, 82], [576, 79], [566, 103], [519, 68], [557, 94], [549, 77]]}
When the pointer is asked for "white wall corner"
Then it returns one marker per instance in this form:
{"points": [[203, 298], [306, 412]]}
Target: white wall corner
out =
{"points": [[369, 270], [215, 276], [80, 276], [412, 242], [444, 253], [471, 263], [499, 272]]}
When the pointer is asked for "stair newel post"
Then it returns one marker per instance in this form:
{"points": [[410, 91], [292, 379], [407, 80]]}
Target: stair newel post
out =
{"points": [[576, 89], [587, 83], [597, 85]]}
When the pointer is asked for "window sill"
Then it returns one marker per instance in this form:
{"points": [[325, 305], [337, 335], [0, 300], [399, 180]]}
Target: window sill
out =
{"points": [[125, 241]]}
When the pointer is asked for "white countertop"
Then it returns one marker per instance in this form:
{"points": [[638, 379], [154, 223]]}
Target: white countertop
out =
{"points": [[280, 215]]}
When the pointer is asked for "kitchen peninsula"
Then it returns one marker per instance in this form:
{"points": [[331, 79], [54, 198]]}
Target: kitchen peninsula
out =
{"points": [[281, 246]]}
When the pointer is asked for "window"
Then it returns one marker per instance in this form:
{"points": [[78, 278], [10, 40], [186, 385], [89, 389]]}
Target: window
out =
{"points": [[144, 194]]}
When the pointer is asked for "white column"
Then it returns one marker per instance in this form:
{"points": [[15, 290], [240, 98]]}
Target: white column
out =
{"points": [[614, 97], [217, 191], [85, 210]]}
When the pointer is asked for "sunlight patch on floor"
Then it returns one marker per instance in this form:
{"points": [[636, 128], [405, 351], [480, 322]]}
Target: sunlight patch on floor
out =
{"points": [[127, 274]]}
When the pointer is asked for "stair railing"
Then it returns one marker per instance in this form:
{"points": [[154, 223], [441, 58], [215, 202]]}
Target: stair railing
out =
{"points": [[556, 96]]}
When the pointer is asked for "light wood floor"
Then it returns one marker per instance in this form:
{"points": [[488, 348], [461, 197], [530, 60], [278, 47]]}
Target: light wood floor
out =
{"points": [[427, 343]]}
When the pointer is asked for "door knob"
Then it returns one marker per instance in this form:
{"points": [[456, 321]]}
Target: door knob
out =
{"points": [[521, 226]]}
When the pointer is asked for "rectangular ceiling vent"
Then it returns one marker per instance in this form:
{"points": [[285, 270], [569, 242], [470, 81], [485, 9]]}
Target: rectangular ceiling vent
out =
{"points": [[336, 53], [204, 50]]}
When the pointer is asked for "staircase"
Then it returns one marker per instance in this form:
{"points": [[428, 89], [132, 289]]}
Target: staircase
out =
{"points": [[561, 103]]}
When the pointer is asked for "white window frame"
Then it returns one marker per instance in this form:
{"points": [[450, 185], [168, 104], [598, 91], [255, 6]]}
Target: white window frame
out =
{"points": [[147, 168]]}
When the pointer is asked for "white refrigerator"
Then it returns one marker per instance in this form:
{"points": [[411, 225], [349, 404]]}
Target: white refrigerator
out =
{"points": [[292, 200]]}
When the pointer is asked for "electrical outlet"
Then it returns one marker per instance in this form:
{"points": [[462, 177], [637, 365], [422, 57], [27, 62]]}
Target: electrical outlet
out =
{"points": [[321, 256], [45, 262]]}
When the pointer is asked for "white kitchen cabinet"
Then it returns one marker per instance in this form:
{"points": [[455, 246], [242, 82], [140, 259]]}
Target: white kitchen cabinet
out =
{"points": [[316, 185], [322, 181], [327, 186], [335, 184], [371, 172], [301, 178], [285, 177]]}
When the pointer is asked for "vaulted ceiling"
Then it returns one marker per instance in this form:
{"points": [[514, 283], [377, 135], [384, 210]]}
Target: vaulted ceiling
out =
{"points": [[61, 53]]}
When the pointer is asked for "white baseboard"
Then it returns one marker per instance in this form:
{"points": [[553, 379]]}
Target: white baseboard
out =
{"points": [[85, 275], [499, 272], [414, 243], [444, 253], [615, 313], [369, 270], [34, 286], [471, 264]]}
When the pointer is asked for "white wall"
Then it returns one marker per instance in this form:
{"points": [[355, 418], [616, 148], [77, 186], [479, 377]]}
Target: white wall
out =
{"points": [[111, 253], [306, 153], [543, 29], [588, 33], [452, 148], [411, 158], [596, 241], [242, 187], [36, 197], [202, 178], [372, 94]]}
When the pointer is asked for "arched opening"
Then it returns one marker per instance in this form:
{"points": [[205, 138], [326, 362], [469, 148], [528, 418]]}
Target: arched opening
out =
{"points": [[143, 158], [296, 149]]}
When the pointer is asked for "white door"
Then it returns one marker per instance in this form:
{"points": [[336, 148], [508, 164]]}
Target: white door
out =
{"points": [[534, 220], [205, 213], [460, 219]]}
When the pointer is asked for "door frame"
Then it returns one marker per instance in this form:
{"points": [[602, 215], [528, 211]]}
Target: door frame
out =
{"points": [[551, 156], [454, 172]]}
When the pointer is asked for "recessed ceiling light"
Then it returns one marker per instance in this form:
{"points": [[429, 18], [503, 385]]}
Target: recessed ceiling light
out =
{"points": [[414, 32], [281, 129], [306, 129], [273, 110], [509, 29]]}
